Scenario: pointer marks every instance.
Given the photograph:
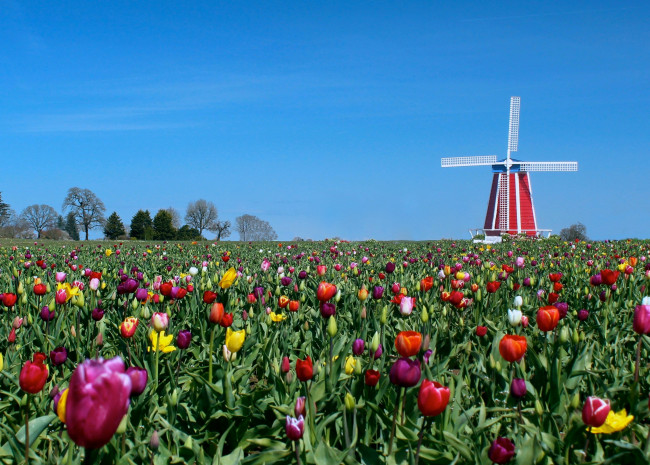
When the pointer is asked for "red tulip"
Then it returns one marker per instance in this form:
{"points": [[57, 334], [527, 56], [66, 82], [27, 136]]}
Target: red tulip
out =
{"points": [[481, 331], [609, 277], [294, 305], [40, 289], [9, 299], [512, 348], [595, 411], [372, 378], [209, 297], [166, 289], [493, 286], [325, 291], [426, 284], [283, 301], [555, 277], [226, 320], [305, 369], [548, 318], [456, 298], [553, 297], [33, 375], [432, 398]]}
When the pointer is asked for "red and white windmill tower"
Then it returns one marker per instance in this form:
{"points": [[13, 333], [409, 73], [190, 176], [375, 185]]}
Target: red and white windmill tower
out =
{"points": [[510, 206]]}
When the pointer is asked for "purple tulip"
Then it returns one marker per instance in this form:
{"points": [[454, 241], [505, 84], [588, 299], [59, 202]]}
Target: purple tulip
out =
{"points": [[427, 355], [302, 274], [583, 314], [327, 309], [259, 292], [518, 387], [295, 427], [97, 401], [596, 280], [97, 314], [527, 282], [390, 267], [286, 280], [502, 450], [405, 372], [377, 292], [641, 323], [58, 356], [563, 308], [379, 351], [139, 378], [358, 347], [183, 339], [47, 314], [141, 294]]}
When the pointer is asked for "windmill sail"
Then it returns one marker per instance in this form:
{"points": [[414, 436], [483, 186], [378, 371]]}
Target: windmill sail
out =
{"points": [[468, 161]]}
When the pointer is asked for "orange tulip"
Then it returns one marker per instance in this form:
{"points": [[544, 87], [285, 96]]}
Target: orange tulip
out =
{"points": [[512, 348], [547, 318], [408, 343], [426, 284], [216, 313], [325, 291]]}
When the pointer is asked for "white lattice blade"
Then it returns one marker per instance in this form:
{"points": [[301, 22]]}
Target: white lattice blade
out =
{"points": [[513, 129], [549, 166], [451, 162]]}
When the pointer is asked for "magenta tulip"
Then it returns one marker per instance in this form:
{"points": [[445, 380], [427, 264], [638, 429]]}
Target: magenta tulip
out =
{"points": [[97, 401]]}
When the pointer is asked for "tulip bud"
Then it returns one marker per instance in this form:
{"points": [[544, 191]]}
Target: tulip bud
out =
{"points": [[364, 314], [575, 401], [188, 442], [21, 288], [337, 296], [375, 342], [99, 340], [564, 334], [349, 402], [424, 315], [121, 429], [154, 442], [384, 315], [331, 327], [575, 336], [538, 408], [173, 398]]}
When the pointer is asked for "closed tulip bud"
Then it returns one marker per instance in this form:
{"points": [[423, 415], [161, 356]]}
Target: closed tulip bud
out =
{"points": [[286, 364], [350, 403], [384, 315], [358, 347], [575, 400], [184, 339], [374, 344], [73, 331], [300, 408], [539, 410], [424, 314], [378, 352], [159, 321], [514, 317], [331, 327], [519, 301], [564, 334], [99, 340], [363, 313], [154, 442], [518, 387]]}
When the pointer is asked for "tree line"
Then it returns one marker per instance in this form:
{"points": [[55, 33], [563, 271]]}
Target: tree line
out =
{"points": [[83, 211]]}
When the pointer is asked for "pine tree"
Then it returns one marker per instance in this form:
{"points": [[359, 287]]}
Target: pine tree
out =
{"points": [[163, 228], [4, 209], [114, 227], [140, 223], [71, 226]]}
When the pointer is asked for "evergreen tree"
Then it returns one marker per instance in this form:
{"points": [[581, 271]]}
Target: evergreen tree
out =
{"points": [[60, 224], [163, 228], [4, 209], [188, 233], [71, 226], [114, 227], [140, 223]]}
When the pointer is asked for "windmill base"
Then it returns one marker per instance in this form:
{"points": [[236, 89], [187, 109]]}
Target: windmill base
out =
{"points": [[493, 236]]}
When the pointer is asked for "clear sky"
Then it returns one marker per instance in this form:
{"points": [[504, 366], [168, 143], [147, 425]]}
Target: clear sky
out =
{"points": [[328, 118]]}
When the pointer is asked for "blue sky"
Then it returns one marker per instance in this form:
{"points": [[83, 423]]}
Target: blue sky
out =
{"points": [[327, 118]]}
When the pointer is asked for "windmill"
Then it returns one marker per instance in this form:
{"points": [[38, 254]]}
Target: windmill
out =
{"points": [[510, 206]]}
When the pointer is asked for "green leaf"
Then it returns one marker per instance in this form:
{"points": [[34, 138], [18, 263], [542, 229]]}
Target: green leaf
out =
{"points": [[36, 427]]}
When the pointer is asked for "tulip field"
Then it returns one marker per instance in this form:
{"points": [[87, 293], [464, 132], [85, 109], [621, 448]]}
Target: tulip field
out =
{"points": [[528, 351]]}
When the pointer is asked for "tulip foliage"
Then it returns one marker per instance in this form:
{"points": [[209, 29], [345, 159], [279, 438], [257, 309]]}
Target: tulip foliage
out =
{"points": [[528, 351]]}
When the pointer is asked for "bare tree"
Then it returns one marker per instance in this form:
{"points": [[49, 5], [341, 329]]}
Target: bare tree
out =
{"points": [[251, 228], [88, 209], [40, 217], [222, 228], [201, 215], [176, 217], [13, 226]]}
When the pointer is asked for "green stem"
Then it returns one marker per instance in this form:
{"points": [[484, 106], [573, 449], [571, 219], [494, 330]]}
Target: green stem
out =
{"points": [[417, 453], [297, 444], [392, 432], [29, 398], [214, 330], [156, 364], [312, 415]]}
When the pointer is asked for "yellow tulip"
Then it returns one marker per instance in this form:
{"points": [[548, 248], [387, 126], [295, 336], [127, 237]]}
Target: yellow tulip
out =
{"points": [[350, 363], [277, 317], [165, 342], [615, 422], [235, 339], [2, 362], [108, 252], [60, 407], [228, 278]]}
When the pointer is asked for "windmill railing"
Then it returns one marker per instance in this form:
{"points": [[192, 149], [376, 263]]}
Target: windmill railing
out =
{"points": [[497, 232]]}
